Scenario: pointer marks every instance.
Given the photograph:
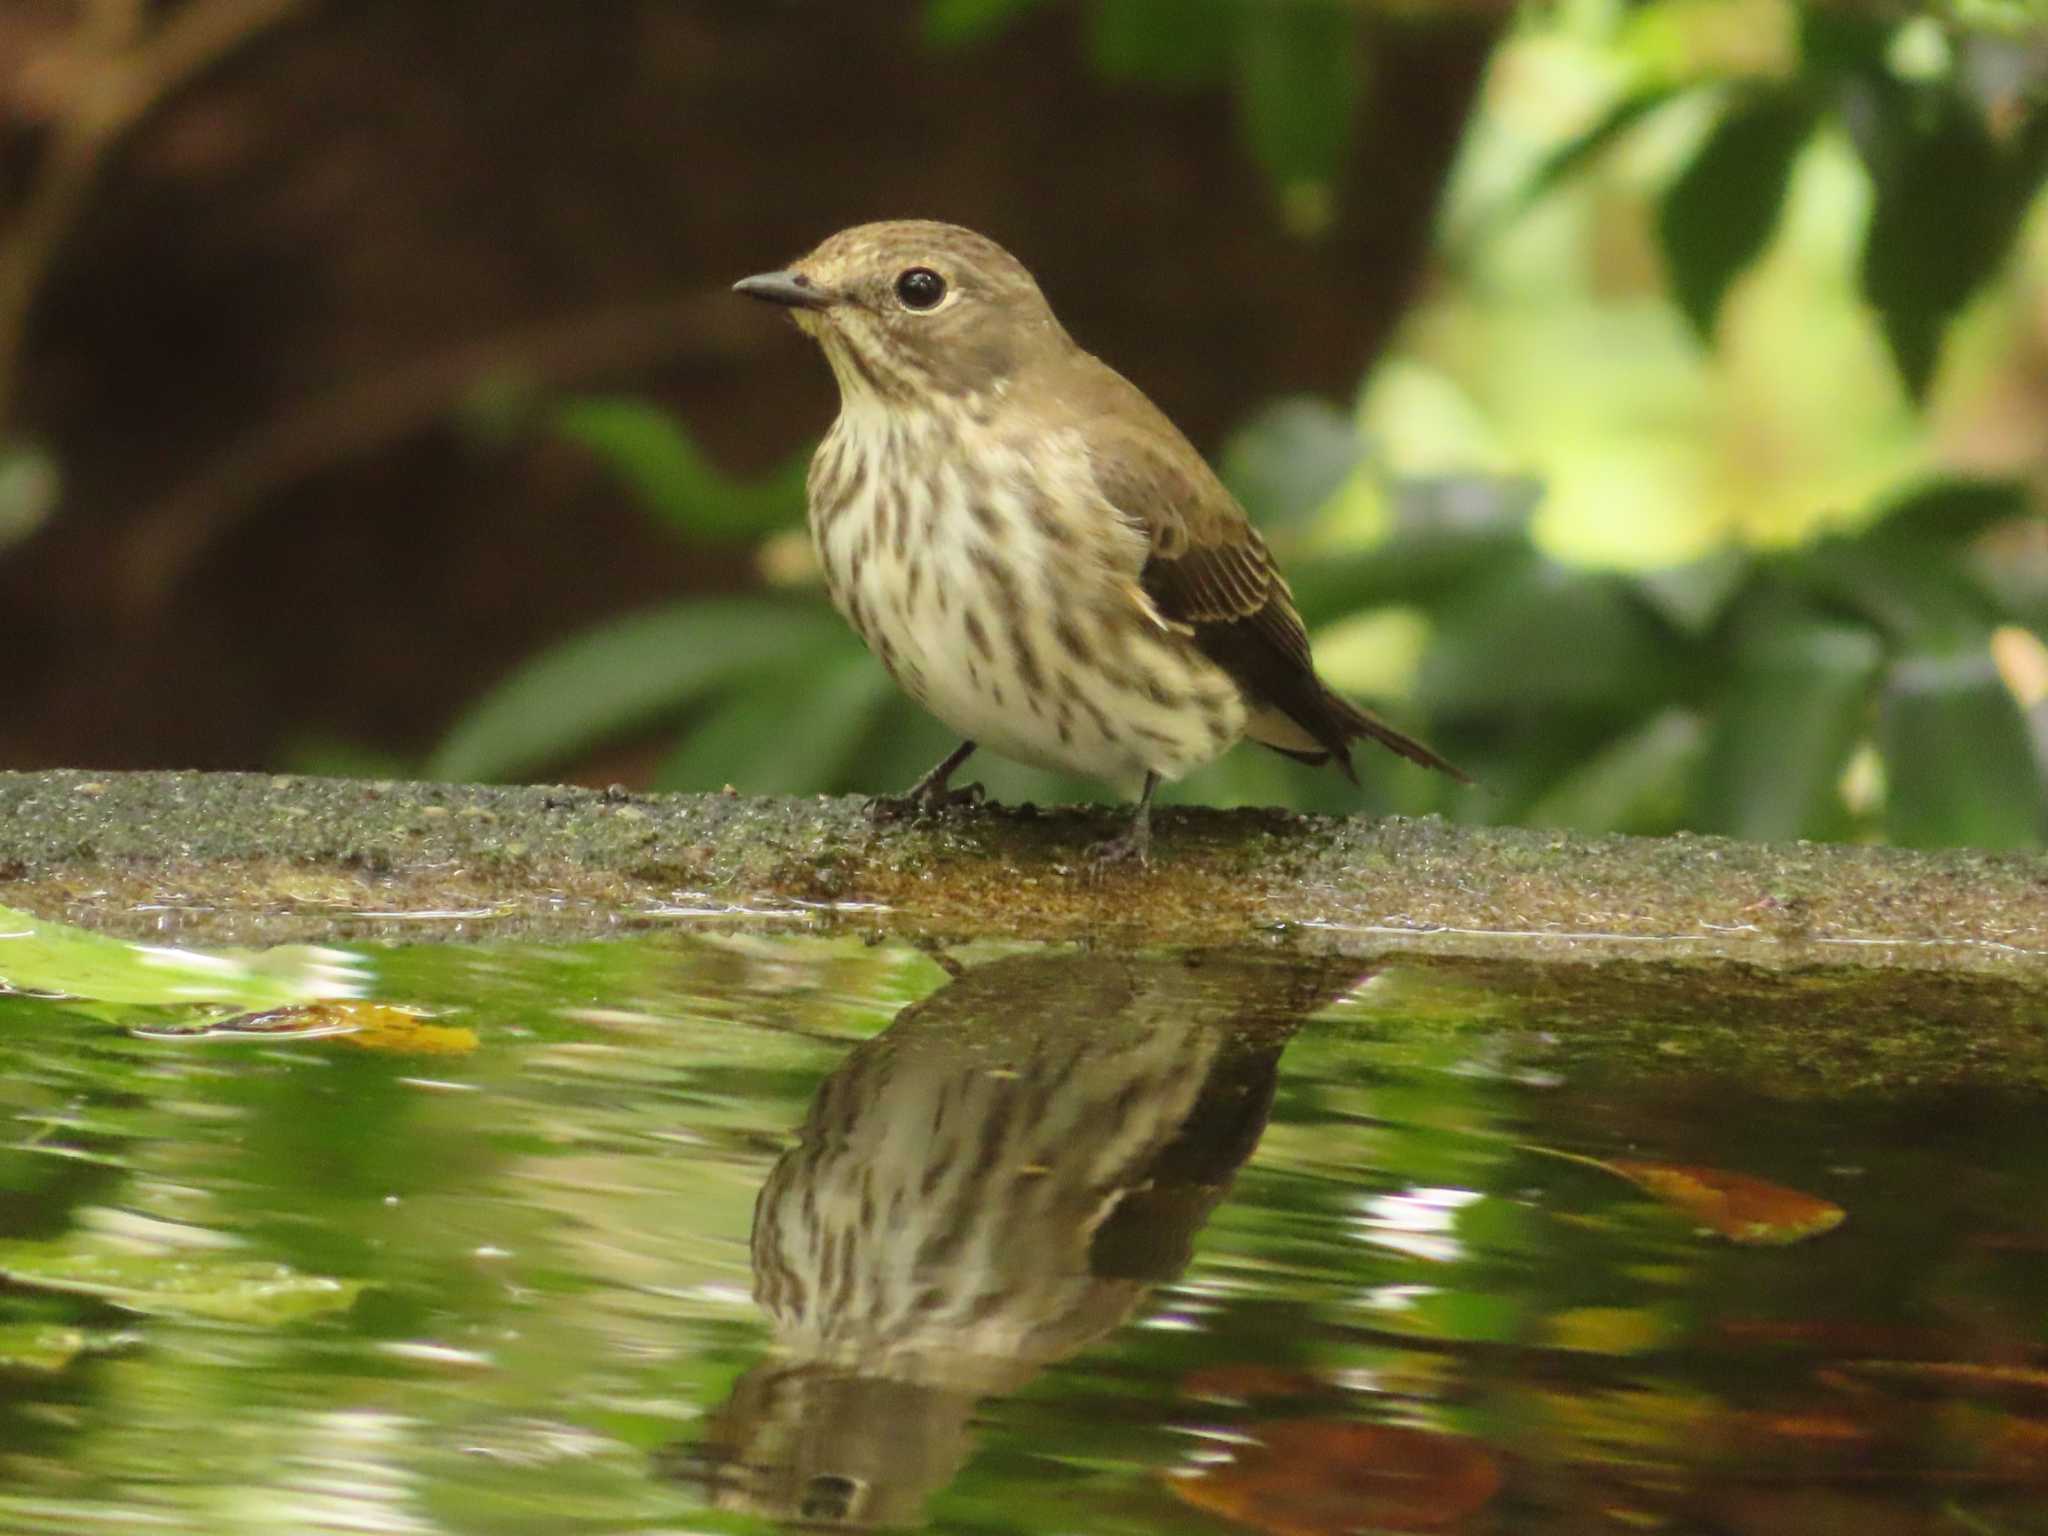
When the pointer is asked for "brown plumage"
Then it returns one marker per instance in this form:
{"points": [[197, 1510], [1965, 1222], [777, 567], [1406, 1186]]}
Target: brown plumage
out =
{"points": [[1210, 569], [1033, 550]]}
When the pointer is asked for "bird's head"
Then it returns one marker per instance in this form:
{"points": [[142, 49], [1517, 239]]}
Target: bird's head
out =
{"points": [[912, 310]]}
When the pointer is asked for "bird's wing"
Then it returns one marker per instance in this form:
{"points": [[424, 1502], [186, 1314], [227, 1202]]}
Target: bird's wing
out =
{"points": [[1207, 569], [1208, 573]]}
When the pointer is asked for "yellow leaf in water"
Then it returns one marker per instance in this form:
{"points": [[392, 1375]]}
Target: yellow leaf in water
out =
{"points": [[1738, 1207], [1608, 1330], [372, 1026]]}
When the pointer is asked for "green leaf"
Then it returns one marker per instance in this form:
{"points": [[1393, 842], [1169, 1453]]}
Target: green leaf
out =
{"points": [[1546, 638], [1449, 532], [952, 23], [1633, 784], [1290, 459], [1718, 216], [659, 463], [1166, 42], [776, 735], [1948, 205], [1921, 599], [1692, 597], [621, 676], [1794, 703], [1572, 157], [1297, 95], [1947, 513], [202, 1284], [1959, 767]]}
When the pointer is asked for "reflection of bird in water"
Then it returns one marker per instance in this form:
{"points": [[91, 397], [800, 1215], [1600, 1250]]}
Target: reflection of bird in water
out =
{"points": [[984, 1188]]}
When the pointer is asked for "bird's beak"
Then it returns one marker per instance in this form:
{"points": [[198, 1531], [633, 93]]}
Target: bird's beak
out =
{"points": [[792, 289]]}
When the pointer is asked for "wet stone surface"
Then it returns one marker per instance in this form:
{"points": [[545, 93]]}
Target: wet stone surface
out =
{"points": [[244, 858]]}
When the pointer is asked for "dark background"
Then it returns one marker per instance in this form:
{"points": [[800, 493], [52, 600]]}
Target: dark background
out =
{"points": [[290, 275]]}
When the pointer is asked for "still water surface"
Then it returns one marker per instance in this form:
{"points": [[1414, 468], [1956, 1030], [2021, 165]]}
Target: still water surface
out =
{"points": [[715, 1233]]}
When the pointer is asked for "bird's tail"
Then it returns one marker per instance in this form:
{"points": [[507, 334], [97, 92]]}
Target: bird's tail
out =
{"points": [[1353, 722]]}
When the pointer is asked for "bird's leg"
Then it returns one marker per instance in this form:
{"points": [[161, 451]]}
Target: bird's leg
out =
{"points": [[1134, 843], [930, 793]]}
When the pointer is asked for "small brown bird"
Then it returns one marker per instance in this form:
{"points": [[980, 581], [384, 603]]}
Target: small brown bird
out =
{"points": [[1034, 551]]}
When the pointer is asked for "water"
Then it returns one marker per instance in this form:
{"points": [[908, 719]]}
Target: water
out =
{"points": [[705, 1232]]}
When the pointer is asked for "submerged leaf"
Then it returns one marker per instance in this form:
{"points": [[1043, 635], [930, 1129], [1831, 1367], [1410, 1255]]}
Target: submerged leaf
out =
{"points": [[41, 1348], [373, 1026], [1313, 1477], [203, 1284], [1735, 1205]]}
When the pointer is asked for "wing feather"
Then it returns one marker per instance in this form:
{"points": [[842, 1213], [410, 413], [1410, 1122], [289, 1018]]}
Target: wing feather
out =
{"points": [[1208, 571]]}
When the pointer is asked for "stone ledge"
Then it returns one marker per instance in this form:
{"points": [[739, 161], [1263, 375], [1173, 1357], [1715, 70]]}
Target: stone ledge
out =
{"points": [[255, 858]]}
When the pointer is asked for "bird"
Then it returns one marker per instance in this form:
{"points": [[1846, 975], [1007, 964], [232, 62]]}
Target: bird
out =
{"points": [[1034, 551]]}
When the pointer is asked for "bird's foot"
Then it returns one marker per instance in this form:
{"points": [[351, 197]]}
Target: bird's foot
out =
{"points": [[920, 802], [1131, 847]]}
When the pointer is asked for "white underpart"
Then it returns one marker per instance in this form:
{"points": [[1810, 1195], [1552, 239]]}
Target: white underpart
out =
{"points": [[1117, 730]]}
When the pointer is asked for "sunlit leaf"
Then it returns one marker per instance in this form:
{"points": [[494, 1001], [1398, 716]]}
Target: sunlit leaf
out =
{"points": [[1793, 702], [1737, 1206], [1718, 216], [623, 675], [202, 1284], [1312, 1477], [659, 462], [1959, 760], [783, 735]]}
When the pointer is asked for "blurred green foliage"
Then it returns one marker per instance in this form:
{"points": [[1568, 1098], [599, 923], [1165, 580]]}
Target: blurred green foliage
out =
{"points": [[1863, 661]]}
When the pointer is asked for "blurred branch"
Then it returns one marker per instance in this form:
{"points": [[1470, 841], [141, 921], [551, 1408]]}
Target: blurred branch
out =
{"points": [[367, 414], [116, 71]]}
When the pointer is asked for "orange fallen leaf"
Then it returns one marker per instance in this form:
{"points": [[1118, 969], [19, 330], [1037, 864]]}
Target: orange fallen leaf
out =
{"points": [[1318, 1477], [1735, 1205]]}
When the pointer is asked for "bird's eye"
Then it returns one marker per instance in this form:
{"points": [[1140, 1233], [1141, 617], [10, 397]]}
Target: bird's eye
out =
{"points": [[920, 288]]}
